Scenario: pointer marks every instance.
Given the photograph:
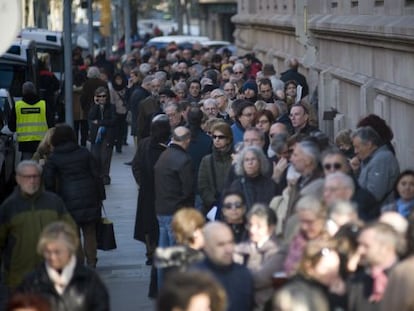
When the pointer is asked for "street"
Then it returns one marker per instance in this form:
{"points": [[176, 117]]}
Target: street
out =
{"points": [[123, 269]]}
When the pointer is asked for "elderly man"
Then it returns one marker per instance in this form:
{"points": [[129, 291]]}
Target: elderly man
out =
{"points": [[23, 215], [338, 186], [378, 244], [235, 278], [230, 90], [379, 167], [210, 108], [305, 159], [174, 114], [174, 183]]}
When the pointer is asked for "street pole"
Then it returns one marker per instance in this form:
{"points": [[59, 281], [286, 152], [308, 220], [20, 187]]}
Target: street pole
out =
{"points": [[127, 21], [90, 26], [67, 51]]}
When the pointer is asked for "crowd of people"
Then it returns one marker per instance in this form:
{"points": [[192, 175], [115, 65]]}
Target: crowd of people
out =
{"points": [[243, 204]]}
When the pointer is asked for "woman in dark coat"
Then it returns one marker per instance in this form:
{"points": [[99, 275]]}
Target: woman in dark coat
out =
{"points": [[71, 172], [148, 152], [251, 168], [64, 281]]}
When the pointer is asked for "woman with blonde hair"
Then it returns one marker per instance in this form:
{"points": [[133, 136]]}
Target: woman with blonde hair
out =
{"points": [[62, 279], [44, 149]]}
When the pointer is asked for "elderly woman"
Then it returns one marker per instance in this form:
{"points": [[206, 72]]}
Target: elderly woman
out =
{"points": [[214, 167], [312, 217], [317, 279], [251, 168], [262, 252], [62, 279], [71, 171]]}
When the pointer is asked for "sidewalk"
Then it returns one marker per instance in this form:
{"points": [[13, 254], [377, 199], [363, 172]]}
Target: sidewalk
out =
{"points": [[123, 269]]}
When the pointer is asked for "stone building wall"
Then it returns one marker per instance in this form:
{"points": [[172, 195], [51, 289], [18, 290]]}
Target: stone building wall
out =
{"points": [[359, 55]]}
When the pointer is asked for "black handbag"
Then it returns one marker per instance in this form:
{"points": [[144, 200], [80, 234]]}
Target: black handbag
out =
{"points": [[105, 234]]}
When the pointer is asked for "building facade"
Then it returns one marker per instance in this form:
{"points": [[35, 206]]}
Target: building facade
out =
{"points": [[215, 19], [357, 56]]}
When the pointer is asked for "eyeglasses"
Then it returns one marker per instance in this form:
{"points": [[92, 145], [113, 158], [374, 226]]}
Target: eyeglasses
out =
{"points": [[233, 205], [100, 96], [329, 166], [29, 176], [219, 137]]}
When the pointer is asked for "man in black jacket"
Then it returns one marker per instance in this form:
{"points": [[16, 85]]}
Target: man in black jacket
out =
{"points": [[174, 183]]}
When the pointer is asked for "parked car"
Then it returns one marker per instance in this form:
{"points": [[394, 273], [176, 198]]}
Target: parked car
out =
{"points": [[8, 146], [180, 41]]}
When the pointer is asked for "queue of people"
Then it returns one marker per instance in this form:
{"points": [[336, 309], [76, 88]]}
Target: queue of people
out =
{"points": [[243, 203]]}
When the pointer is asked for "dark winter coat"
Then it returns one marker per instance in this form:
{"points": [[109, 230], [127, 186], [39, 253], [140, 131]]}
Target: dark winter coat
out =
{"points": [[106, 118], [85, 291], [71, 172], [143, 164], [212, 174], [137, 96], [88, 92], [260, 189], [174, 181]]}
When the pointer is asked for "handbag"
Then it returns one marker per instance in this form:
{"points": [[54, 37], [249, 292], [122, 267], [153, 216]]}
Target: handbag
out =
{"points": [[105, 234]]}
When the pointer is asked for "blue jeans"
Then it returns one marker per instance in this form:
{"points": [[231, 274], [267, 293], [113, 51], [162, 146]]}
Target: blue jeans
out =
{"points": [[166, 239]]}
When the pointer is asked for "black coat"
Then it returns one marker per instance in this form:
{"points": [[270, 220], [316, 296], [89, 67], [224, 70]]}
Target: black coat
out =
{"points": [[174, 181], [260, 189], [106, 118], [71, 172], [143, 163], [85, 291], [293, 74]]}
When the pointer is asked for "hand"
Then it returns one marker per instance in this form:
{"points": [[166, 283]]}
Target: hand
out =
{"points": [[355, 164], [279, 168]]}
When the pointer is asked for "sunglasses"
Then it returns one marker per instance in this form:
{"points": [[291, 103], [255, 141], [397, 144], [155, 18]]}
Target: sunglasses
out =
{"points": [[233, 205], [335, 166], [238, 72], [218, 137]]}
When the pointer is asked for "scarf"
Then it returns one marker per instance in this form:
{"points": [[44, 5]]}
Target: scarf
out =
{"points": [[61, 280]]}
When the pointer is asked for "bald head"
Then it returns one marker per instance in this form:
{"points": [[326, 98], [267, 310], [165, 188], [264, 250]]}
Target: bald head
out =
{"points": [[395, 220], [219, 243], [278, 128], [180, 135]]}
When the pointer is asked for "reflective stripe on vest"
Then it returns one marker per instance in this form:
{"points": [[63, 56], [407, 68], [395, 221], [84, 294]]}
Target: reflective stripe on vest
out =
{"points": [[31, 123]]}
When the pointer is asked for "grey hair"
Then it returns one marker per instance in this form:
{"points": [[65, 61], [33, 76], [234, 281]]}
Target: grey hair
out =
{"points": [[58, 231], [343, 179], [148, 79], [342, 208], [263, 211], [217, 92], [26, 163], [312, 204], [210, 101], [181, 86], [279, 141], [238, 66], [93, 72], [161, 75], [281, 106], [264, 163], [368, 134], [312, 150]]}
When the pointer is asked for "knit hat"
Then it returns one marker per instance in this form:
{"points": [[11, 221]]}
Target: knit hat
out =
{"points": [[250, 85]]}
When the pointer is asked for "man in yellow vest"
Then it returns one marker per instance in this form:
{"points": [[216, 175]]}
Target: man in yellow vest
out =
{"points": [[30, 120]]}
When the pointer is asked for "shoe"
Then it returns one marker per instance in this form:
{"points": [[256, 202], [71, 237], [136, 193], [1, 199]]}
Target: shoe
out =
{"points": [[149, 262], [125, 144], [128, 163], [118, 150]]}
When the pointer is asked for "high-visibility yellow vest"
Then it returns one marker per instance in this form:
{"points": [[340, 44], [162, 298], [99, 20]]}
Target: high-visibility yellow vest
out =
{"points": [[31, 123]]}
